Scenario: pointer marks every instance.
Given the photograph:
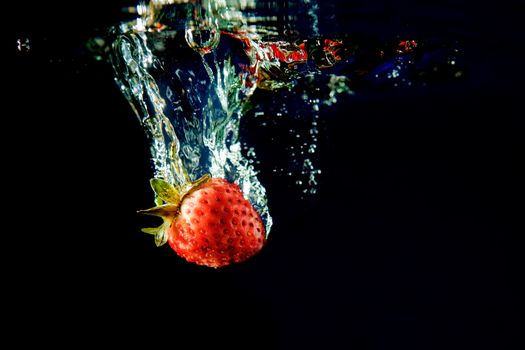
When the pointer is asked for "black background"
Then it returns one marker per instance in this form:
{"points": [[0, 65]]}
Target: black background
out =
{"points": [[410, 242]]}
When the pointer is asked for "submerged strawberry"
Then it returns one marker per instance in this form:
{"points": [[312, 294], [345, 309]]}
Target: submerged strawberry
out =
{"points": [[209, 222]]}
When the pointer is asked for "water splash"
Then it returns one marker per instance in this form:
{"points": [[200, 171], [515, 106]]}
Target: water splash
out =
{"points": [[188, 94], [191, 69]]}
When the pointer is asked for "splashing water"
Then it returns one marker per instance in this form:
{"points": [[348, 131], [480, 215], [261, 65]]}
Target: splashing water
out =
{"points": [[189, 69], [188, 94]]}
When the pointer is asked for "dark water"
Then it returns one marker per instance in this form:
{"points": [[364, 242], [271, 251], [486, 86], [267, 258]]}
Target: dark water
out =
{"points": [[409, 243]]}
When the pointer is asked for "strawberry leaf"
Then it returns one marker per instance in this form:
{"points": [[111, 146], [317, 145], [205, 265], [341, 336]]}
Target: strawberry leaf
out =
{"points": [[163, 211], [165, 191], [150, 230], [192, 186], [161, 235]]}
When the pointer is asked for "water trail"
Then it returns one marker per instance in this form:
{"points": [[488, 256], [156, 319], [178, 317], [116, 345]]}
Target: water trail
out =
{"points": [[188, 95]]}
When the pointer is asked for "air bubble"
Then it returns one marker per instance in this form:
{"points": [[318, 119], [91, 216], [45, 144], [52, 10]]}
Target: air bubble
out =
{"points": [[203, 38]]}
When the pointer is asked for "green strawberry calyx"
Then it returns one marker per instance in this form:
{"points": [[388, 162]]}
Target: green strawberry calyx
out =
{"points": [[169, 199]]}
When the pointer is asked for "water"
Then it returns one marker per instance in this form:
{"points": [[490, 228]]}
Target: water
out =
{"points": [[188, 95], [407, 242], [192, 70]]}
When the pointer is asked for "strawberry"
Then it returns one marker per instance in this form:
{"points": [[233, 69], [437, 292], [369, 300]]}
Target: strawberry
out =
{"points": [[208, 223]]}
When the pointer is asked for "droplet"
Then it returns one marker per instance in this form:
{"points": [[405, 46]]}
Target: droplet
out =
{"points": [[203, 38], [23, 44]]}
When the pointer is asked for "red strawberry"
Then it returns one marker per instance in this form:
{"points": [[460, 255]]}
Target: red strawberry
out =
{"points": [[209, 222]]}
